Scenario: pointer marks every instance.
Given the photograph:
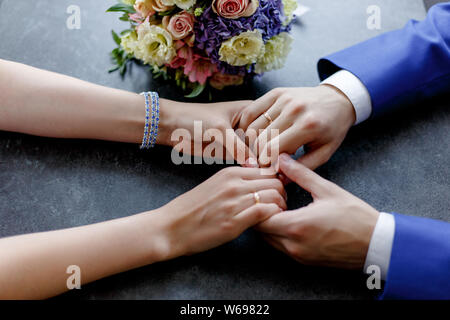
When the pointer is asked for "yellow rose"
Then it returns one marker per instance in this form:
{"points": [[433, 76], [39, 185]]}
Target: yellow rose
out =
{"points": [[242, 49]]}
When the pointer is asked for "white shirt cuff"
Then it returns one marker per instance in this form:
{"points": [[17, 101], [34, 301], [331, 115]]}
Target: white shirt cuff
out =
{"points": [[380, 247], [355, 91]]}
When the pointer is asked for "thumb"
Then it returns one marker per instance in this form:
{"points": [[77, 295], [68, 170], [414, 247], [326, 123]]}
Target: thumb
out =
{"points": [[304, 177]]}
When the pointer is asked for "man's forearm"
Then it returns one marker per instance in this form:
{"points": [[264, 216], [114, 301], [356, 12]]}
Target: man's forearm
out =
{"points": [[414, 64], [355, 91]]}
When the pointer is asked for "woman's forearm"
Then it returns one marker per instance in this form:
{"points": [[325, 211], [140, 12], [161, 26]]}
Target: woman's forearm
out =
{"points": [[44, 103], [34, 266]]}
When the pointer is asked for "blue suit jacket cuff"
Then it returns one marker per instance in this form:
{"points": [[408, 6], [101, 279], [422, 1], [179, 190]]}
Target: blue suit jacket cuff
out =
{"points": [[420, 260]]}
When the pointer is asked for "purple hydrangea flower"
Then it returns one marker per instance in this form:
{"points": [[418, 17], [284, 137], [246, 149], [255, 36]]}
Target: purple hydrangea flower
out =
{"points": [[211, 30]]}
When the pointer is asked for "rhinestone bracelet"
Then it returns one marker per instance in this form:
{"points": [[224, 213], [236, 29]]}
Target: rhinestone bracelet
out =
{"points": [[151, 122], [155, 118]]}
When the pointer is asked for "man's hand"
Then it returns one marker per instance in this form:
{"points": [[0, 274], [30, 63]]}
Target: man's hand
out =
{"points": [[317, 118], [334, 230]]}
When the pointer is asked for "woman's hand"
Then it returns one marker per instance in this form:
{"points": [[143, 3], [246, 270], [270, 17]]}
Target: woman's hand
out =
{"points": [[34, 266], [317, 118], [220, 209], [197, 129], [65, 107]]}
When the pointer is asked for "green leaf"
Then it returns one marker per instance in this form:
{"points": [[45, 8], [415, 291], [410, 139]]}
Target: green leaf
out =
{"points": [[116, 37], [123, 69], [114, 69], [122, 7], [115, 53], [168, 12], [210, 96], [198, 89], [125, 32], [125, 17]]}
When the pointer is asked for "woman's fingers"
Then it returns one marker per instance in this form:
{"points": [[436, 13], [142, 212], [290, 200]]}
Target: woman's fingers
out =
{"points": [[255, 192], [266, 184], [235, 110], [269, 196], [264, 196], [272, 196]]}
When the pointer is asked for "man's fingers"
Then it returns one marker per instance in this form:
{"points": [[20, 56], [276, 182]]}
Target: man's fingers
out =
{"points": [[287, 142], [268, 134], [264, 120], [316, 158], [277, 225], [275, 242], [304, 177], [257, 108]]}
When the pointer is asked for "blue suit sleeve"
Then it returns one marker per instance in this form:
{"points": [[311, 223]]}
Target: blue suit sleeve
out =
{"points": [[403, 66], [420, 260]]}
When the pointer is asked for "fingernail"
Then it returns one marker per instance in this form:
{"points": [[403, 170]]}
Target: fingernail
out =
{"points": [[284, 158], [251, 163]]}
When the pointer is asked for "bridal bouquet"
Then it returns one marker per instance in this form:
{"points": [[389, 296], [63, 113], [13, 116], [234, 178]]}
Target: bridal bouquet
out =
{"points": [[204, 42]]}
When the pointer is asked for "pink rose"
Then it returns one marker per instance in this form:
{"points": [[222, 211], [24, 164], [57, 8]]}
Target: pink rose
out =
{"points": [[147, 8], [160, 6], [144, 8], [180, 25], [235, 9], [221, 80]]}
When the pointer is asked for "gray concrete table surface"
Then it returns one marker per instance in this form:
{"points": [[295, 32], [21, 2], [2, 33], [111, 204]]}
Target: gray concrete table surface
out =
{"points": [[398, 163]]}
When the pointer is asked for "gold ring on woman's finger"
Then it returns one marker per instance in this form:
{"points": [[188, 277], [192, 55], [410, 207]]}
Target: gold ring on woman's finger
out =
{"points": [[257, 197]]}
